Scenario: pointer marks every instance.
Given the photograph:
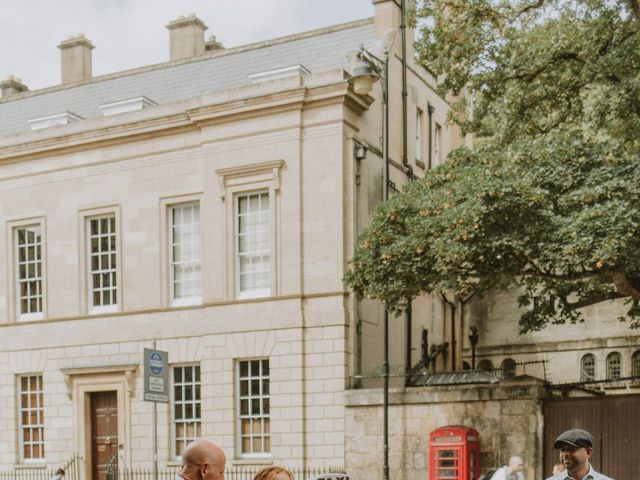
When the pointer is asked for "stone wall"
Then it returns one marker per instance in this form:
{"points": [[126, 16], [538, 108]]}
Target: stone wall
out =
{"points": [[507, 416]]}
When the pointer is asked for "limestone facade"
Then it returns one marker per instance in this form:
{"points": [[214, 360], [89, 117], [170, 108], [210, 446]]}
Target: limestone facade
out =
{"points": [[83, 178]]}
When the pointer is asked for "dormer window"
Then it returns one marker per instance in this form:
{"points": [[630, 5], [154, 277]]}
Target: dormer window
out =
{"points": [[124, 106], [63, 118], [292, 71]]}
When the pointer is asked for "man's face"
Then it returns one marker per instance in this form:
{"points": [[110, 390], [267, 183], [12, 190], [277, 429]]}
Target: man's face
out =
{"points": [[574, 458]]}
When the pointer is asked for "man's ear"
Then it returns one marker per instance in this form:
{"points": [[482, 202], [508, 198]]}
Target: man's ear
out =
{"points": [[589, 452]]}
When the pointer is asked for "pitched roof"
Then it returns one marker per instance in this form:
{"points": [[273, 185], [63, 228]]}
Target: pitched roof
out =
{"points": [[318, 51]]}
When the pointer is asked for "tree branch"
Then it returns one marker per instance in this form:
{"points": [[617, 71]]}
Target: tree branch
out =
{"points": [[634, 6], [595, 299], [625, 285]]}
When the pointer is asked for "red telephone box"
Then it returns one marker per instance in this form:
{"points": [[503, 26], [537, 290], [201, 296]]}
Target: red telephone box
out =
{"points": [[455, 453]]}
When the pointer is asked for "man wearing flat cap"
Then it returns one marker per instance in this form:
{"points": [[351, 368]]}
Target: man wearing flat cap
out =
{"points": [[576, 448]]}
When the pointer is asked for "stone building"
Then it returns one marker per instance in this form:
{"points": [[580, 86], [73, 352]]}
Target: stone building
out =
{"points": [[205, 207]]}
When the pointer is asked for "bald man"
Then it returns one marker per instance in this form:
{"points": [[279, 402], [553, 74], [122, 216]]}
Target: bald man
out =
{"points": [[202, 460]]}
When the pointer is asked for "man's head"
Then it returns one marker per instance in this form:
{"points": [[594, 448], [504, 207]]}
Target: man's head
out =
{"points": [[576, 447], [515, 464], [202, 460]]}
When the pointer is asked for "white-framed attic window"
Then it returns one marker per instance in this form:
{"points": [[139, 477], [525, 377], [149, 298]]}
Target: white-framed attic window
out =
{"points": [[124, 106], [284, 72], [63, 118]]}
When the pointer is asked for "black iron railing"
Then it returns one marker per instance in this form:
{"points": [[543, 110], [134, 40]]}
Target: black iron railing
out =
{"points": [[71, 471]]}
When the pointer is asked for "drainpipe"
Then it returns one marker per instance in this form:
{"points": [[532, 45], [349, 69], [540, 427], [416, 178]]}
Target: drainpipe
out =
{"points": [[407, 378], [430, 110], [407, 167], [360, 153]]}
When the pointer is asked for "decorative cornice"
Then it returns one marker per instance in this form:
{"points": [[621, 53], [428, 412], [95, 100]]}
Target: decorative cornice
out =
{"points": [[243, 174], [300, 98], [127, 369]]}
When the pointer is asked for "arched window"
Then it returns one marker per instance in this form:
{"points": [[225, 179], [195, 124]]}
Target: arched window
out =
{"points": [[466, 366], [508, 368], [614, 366], [635, 364], [588, 368], [485, 365]]}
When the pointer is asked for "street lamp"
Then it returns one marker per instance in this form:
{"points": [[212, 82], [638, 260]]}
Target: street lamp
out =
{"points": [[474, 336], [369, 69]]}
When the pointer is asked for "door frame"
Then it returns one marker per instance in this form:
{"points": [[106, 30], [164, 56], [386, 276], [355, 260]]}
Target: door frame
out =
{"points": [[81, 383]]}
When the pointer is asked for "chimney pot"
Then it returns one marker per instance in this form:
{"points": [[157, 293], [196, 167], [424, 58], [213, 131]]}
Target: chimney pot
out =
{"points": [[186, 37], [75, 55], [11, 86]]}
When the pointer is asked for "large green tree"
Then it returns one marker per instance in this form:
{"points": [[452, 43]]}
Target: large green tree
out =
{"points": [[549, 198]]}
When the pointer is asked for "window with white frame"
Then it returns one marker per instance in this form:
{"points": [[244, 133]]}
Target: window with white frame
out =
{"points": [[102, 263], [418, 145], [31, 419], [437, 145], [187, 418], [588, 368], [253, 408], [635, 364], [614, 366], [28, 244], [184, 254], [252, 245]]}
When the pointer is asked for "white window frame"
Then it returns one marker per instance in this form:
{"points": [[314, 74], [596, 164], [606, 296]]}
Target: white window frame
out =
{"points": [[195, 402], [192, 299], [255, 292], [419, 145], [261, 397], [612, 359], [240, 180], [29, 409], [86, 217], [20, 315], [635, 363], [585, 376], [437, 144]]}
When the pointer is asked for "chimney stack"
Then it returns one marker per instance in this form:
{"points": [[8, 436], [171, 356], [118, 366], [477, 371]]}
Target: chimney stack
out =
{"points": [[11, 86], [186, 37], [75, 54]]}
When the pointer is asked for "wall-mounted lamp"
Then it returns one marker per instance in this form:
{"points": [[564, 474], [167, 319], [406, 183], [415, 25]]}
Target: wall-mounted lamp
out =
{"points": [[360, 151]]}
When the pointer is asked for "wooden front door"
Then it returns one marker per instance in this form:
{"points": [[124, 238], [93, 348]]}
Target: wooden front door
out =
{"points": [[104, 431]]}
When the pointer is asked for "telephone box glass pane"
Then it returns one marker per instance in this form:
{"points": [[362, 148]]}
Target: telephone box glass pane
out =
{"points": [[447, 465]]}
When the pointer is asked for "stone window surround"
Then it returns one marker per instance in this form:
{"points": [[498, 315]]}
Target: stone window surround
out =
{"points": [[12, 293], [80, 383], [84, 216], [166, 204], [263, 176]]}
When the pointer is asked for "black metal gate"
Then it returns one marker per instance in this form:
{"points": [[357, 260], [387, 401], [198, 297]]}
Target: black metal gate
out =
{"points": [[614, 422]]}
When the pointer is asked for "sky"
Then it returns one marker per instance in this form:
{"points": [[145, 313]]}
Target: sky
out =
{"points": [[131, 33]]}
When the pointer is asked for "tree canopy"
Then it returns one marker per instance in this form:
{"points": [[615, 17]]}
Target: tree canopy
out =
{"points": [[549, 198]]}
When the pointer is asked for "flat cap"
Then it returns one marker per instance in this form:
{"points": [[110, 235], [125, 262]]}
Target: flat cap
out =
{"points": [[575, 437]]}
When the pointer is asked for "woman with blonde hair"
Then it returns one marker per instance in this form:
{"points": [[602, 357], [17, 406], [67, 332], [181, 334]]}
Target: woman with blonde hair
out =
{"points": [[274, 473]]}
